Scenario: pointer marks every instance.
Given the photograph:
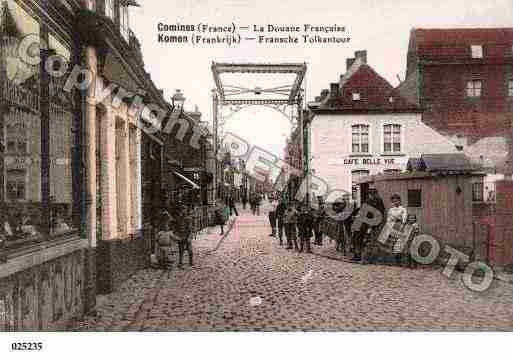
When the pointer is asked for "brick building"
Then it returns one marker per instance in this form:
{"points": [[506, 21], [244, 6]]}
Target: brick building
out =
{"points": [[363, 126], [463, 81]]}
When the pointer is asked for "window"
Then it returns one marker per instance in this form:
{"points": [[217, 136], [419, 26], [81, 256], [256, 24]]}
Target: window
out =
{"points": [[360, 138], [124, 25], [392, 138], [392, 171], [510, 88], [474, 88], [356, 96], [478, 192], [16, 185], [477, 51], [415, 198], [90, 4], [110, 9]]}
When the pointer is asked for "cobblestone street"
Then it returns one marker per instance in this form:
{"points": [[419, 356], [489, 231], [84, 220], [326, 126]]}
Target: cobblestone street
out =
{"points": [[247, 282]]}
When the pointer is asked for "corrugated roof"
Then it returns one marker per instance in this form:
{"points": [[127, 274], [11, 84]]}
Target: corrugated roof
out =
{"points": [[447, 162]]}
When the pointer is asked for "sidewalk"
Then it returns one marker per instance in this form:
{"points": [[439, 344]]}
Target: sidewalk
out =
{"points": [[208, 240]]}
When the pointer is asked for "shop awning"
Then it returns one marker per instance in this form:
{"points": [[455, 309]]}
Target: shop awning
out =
{"points": [[194, 185]]}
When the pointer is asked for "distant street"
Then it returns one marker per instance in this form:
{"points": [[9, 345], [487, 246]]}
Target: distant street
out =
{"points": [[247, 282]]}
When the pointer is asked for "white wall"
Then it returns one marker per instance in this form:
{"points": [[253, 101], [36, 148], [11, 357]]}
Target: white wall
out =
{"points": [[331, 145]]}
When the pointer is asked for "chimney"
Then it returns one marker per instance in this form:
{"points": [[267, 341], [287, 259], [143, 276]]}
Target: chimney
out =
{"points": [[349, 63], [334, 90], [362, 55], [324, 94]]}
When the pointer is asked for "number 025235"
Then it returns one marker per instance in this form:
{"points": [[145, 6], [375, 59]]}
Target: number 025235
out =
{"points": [[27, 346]]}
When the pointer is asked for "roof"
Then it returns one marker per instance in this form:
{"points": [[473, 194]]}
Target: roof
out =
{"points": [[442, 163], [376, 93], [454, 44]]}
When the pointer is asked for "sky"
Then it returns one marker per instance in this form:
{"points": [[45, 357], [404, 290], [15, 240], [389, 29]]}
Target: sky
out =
{"points": [[380, 27]]}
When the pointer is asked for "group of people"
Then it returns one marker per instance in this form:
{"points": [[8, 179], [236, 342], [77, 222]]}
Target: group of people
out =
{"points": [[176, 231], [300, 224]]}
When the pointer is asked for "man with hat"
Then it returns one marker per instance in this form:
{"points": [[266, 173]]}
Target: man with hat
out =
{"points": [[184, 233]]}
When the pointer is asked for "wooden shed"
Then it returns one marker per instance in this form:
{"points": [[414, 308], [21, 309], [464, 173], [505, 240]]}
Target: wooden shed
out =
{"points": [[438, 190]]}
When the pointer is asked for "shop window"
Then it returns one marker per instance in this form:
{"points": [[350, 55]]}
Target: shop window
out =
{"points": [[392, 139], [360, 138], [61, 149], [415, 198], [474, 88], [16, 185]]}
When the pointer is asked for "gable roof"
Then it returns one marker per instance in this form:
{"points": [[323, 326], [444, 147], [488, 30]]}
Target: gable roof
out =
{"points": [[446, 162], [376, 93]]}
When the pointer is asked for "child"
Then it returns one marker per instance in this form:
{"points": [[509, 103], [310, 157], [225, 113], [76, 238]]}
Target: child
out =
{"points": [[165, 242]]}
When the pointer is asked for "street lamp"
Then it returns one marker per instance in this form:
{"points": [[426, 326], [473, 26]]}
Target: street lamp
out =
{"points": [[178, 99]]}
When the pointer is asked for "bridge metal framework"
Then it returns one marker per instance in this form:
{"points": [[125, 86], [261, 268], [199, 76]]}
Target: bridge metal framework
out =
{"points": [[229, 99]]}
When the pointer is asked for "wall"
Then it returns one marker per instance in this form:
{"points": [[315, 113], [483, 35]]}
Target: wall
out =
{"points": [[444, 214], [331, 145], [45, 289], [501, 236], [480, 125]]}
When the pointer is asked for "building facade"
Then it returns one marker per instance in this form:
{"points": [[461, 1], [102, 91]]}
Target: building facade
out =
{"points": [[463, 81], [362, 126], [80, 174]]}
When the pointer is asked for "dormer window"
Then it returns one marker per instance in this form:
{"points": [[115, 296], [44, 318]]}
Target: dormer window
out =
{"points": [[477, 51], [356, 96]]}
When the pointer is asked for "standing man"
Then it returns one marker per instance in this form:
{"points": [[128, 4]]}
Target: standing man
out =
{"points": [[244, 199], [278, 213], [231, 204], [319, 215], [184, 233], [272, 220], [258, 201], [305, 228], [290, 221]]}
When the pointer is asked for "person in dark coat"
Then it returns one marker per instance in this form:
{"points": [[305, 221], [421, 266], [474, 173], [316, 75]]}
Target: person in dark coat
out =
{"points": [[279, 212], [184, 226], [305, 229], [290, 222], [244, 200], [360, 236], [231, 205], [319, 215], [272, 221]]}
